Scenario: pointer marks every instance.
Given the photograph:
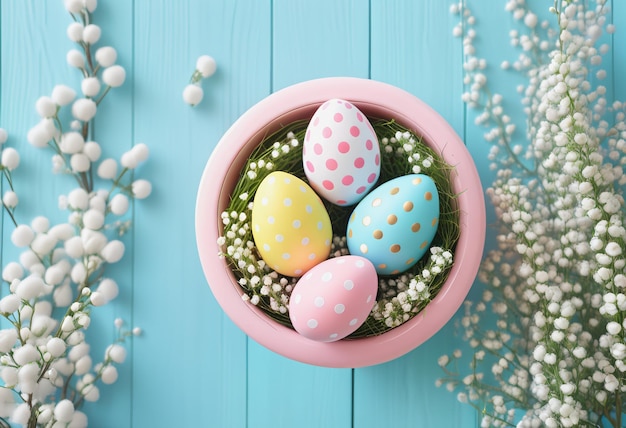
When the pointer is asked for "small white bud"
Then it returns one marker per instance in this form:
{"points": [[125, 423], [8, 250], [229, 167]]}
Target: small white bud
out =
{"points": [[141, 152], [75, 58], [80, 162], [30, 287], [63, 95], [9, 303], [75, 32], [10, 199], [91, 34], [11, 271], [92, 150], [21, 414], [63, 411], [106, 56], [84, 109], [72, 142], [45, 107], [22, 236], [141, 189], [10, 158], [107, 169], [109, 374], [113, 251], [114, 76], [8, 337], [129, 160], [56, 347], [78, 273], [90, 5], [78, 199], [54, 275], [74, 247], [83, 365], [40, 224], [93, 219], [93, 241], [43, 244], [117, 353], [90, 86], [119, 204], [37, 136], [97, 299], [62, 295], [193, 94], [108, 289], [73, 6], [206, 65]]}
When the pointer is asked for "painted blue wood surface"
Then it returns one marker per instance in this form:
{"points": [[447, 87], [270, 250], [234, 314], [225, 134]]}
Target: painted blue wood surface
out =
{"points": [[193, 367]]}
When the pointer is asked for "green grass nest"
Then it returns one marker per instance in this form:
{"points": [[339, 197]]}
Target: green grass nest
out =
{"points": [[402, 153]]}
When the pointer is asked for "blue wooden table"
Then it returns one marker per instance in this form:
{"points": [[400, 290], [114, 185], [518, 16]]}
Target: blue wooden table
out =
{"points": [[193, 367]]}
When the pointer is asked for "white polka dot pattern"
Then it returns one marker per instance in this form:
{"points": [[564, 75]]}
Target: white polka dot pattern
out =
{"points": [[334, 298], [290, 225]]}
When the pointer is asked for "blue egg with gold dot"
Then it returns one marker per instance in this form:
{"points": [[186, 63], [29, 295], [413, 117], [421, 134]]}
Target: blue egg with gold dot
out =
{"points": [[394, 225]]}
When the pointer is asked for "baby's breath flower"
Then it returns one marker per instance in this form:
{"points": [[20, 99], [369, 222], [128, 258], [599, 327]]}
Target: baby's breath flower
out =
{"points": [[559, 268]]}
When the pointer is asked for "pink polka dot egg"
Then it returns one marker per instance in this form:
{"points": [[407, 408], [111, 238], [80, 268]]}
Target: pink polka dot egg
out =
{"points": [[290, 225], [340, 153], [333, 299]]}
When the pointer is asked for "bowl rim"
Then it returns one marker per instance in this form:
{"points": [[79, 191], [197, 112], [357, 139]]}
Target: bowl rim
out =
{"points": [[374, 98]]}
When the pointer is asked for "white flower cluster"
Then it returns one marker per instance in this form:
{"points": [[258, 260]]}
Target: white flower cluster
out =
{"points": [[405, 296], [46, 368], [404, 144], [205, 68], [261, 282], [557, 278], [264, 286]]}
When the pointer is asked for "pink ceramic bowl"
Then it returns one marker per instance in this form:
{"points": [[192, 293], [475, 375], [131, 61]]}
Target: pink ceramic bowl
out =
{"points": [[300, 101]]}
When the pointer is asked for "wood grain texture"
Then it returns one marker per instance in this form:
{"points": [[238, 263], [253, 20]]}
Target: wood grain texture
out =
{"points": [[191, 364], [193, 367]]}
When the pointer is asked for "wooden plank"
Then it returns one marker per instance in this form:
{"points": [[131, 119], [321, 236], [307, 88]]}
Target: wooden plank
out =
{"points": [[286, 393], [310, 40], [413, 48], [190, 366], [39, 28], [618, 51], [402, 392], [319, 39]]}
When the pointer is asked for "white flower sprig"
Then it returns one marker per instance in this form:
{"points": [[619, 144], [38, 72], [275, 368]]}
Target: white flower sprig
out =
{"points": [[205, 68], [556, 281], [46, 368], [9, 161]]}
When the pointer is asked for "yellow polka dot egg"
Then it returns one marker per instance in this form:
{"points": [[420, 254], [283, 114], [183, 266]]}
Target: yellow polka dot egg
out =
{"points": [[394, 225], [290, 225]]}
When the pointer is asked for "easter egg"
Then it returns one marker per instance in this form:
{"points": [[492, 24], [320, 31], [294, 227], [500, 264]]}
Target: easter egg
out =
{"points": [[291, 228], [333, 299], [394, 225], [340, 153]]}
